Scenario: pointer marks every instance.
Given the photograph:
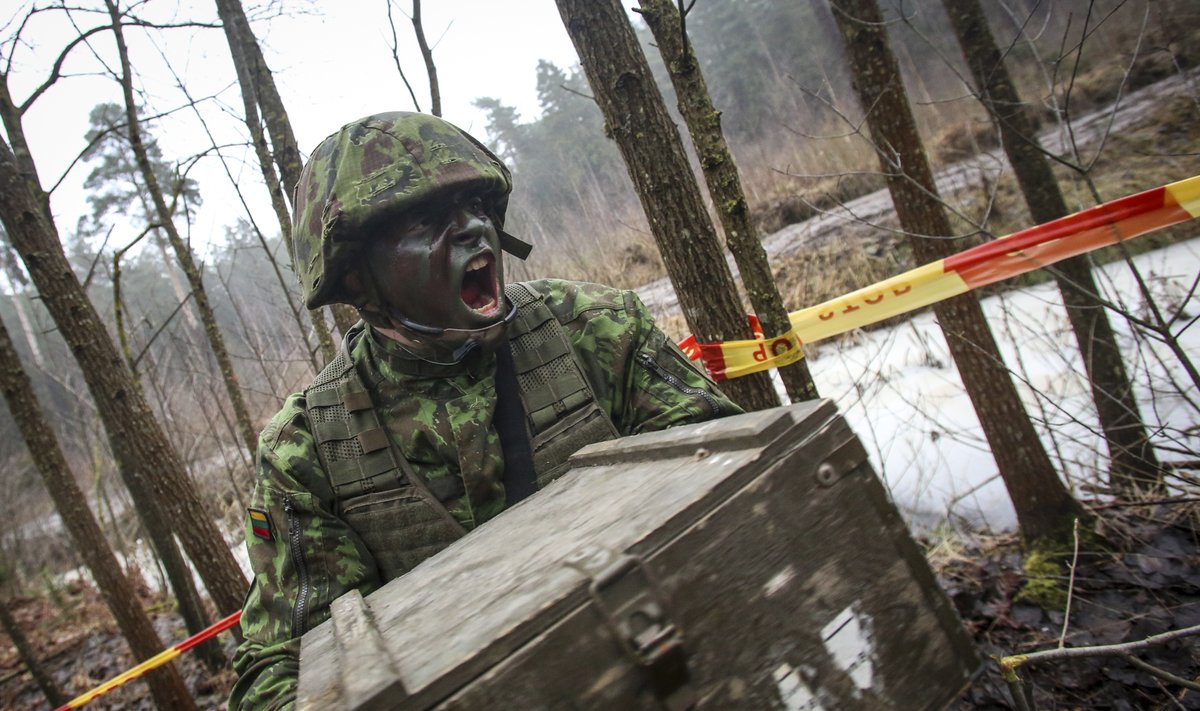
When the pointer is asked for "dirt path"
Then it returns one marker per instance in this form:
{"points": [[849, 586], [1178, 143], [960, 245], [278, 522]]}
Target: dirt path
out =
{"points": [[819, 231]]}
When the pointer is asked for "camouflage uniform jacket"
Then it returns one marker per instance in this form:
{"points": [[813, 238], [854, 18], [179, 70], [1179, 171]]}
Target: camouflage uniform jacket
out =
{"points": [[440, 418]]}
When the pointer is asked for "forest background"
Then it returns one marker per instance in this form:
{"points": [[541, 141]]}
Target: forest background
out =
{"points": [[777, 71]]}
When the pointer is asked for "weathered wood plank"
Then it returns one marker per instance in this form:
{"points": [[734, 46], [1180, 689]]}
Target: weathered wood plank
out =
{"points": [[367, 668]]}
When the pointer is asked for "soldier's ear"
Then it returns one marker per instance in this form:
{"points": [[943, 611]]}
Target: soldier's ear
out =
{"points": [[352, 286]]}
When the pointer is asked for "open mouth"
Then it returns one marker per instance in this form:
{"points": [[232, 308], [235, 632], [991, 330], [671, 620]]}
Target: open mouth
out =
{"points": [[479, 289]]}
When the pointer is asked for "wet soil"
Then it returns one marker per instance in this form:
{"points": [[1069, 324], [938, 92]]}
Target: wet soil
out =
{"points": [[79, 645], [1142, 579]]}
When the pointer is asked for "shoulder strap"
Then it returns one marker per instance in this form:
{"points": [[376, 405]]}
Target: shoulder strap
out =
{"points": [[351, 445], [520, 477], [550, 377], [355, 450]]}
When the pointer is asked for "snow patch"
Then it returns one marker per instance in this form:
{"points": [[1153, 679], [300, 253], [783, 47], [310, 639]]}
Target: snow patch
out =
{"points": [[902, 396]]}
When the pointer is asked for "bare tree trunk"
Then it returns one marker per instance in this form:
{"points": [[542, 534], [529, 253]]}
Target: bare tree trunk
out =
{"points": [[250, 101], [1044, 507], [159, 535], [724, 183], [138, 443], [1133, 461], [181, 294], [244, 48], [23, 163], [395, 45], [27, 330], [183, 253], [104, 502], [636, 117], [165, 683], [18, 280], [191, 607], [25, 652], [149, 466], [279, 127], [344, 317]]}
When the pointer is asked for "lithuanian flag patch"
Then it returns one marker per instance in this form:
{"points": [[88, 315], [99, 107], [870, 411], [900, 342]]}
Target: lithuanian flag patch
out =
{"points": [[260, 524]]}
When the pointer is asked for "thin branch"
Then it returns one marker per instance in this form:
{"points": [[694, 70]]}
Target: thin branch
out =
{"points": [[1160, 673], [84, 154], [1112, 116], [192, 24], [159, 330], [1010, 663], [396, 57], [87, 42], [1062, 638], [683, 35], [1151, 502], [56, 70], [1016, 690], [99, 253], [435, 92], [16, 37], [576, 92]]}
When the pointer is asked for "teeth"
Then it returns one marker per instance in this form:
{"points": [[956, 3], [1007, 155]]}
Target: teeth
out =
{"points": [[488, 308], [477, 263]]}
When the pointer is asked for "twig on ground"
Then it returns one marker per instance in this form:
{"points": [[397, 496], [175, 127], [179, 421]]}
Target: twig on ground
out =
{"points": [[1016, 689], [1160, 673], [1009, 664], [1062, 637]]}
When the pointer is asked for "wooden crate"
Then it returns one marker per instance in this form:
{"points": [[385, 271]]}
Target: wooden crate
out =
{"points": [[752, 562]]}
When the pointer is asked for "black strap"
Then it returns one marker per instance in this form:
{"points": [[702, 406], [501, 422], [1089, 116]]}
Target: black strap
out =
{"points": [[520, 480]]}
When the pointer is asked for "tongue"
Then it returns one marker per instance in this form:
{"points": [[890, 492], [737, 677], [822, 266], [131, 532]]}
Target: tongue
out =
{"points": [[471, 293]]}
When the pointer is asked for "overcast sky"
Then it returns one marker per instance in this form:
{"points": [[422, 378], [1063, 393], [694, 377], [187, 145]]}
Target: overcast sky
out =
{"points": [[332, 62]]}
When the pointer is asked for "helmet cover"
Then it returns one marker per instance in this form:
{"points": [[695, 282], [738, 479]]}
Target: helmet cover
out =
{"points": [[374, 169]]}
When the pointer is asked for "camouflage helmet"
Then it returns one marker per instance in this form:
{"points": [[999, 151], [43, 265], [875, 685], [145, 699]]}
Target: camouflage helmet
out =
{"points": [[377, 168]]}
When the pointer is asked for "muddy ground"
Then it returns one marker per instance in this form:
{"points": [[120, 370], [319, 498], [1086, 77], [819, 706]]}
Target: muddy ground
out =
{"points": [[1141, 579], [77, 640]]}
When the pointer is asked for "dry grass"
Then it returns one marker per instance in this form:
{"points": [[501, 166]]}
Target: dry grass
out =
{"points": [[801, 172], [825, 273], [629, 261]]}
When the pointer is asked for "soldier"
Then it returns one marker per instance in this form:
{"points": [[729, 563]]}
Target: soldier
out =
{"points": [[455, 397]]}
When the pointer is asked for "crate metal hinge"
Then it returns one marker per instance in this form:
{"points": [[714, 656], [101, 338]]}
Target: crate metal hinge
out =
{"points": [[631, 605]]}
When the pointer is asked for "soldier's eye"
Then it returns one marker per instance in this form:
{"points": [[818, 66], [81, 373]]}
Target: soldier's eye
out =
{"points": [[477, 206], [422, 220]]}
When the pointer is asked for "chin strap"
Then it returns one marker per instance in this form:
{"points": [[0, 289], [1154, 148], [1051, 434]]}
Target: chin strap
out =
{"points": [[463, 350], [516, 247], [424, 330]]}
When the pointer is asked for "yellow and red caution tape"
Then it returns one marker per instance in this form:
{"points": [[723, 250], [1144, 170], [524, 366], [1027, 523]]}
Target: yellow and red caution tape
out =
{"points": [[1002, 258], [153, 662]]}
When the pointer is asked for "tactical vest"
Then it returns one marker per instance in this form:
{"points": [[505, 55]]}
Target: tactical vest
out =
{"points": [[376, 491]]}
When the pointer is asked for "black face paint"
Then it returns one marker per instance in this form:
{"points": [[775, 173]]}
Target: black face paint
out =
{"points": [[439, 277]]}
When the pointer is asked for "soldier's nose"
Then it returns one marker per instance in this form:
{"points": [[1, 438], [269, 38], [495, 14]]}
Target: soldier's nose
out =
{"points": [[468, 226]]}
